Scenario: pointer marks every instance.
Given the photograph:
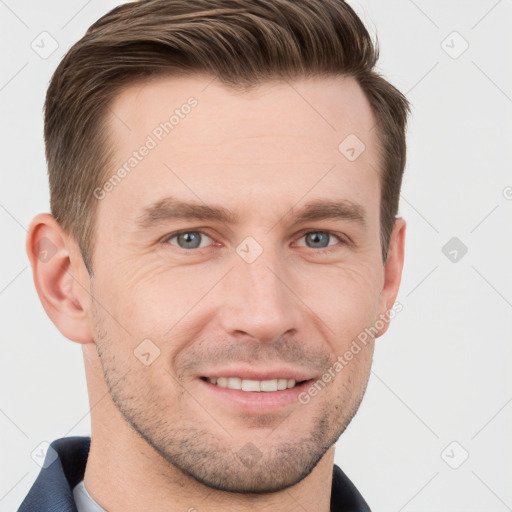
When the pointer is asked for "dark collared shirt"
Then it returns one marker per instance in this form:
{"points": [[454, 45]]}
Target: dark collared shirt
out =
{"points": [[64, 467]]}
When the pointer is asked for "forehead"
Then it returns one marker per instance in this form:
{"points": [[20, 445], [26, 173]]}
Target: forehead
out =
{"points": [[321, 107], [193, 137]]}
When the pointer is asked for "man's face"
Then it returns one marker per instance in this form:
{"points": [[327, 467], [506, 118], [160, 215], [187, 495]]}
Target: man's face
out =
{"points": [[262, 296]]}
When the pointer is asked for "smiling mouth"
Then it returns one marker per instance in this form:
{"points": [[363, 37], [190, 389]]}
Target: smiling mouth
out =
{"points": [[266, 386]]}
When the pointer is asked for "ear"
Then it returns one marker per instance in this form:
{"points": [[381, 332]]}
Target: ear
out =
{"points": [[392, 272], [61, 279]]}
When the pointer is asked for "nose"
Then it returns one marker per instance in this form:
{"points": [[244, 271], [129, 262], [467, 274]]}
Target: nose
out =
{"points": [[260, 300]]}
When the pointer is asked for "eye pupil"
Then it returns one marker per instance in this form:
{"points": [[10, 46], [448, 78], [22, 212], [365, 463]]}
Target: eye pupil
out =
{"points": [[318, 238], [191, 239]]}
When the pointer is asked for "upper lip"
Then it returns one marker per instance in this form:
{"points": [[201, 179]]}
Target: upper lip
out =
{"points": [[255, 374]]}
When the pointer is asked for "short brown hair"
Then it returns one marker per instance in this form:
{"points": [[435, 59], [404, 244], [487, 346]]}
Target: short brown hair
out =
{"points": [[242, 43]]}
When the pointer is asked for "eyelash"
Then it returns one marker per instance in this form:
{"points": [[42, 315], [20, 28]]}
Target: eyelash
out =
{"points": [[342, 240]]}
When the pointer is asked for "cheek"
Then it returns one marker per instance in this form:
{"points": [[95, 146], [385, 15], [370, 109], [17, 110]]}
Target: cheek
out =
{"points": [[160, 301], [346, 298]]}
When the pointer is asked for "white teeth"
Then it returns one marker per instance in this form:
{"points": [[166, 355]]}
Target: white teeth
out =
{"points": [[281, 384], [269, 385], [234, 383], [252, 385]]}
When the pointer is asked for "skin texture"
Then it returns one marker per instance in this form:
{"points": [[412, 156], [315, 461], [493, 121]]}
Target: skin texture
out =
{"points": [[160, 439]]}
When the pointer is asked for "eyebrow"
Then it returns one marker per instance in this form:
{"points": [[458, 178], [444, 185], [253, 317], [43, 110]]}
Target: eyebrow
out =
{"points": [[170, 208]]}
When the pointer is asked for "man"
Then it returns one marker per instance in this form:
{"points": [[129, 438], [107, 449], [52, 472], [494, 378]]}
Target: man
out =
{"points": [[224, 181]]}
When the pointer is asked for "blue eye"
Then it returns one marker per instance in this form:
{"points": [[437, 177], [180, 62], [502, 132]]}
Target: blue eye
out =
{"points": [[318, 239], [188, 239]]}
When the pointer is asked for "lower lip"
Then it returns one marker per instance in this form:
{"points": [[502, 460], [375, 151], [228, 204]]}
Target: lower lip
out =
{"points": [[259, 402]]}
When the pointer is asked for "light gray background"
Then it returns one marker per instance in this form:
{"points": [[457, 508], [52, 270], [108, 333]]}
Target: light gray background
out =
{"points": [[442, 372]]}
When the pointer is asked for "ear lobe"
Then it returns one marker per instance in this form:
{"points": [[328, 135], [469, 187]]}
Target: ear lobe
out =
{"points": [[60, 277], [392, 271]]}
